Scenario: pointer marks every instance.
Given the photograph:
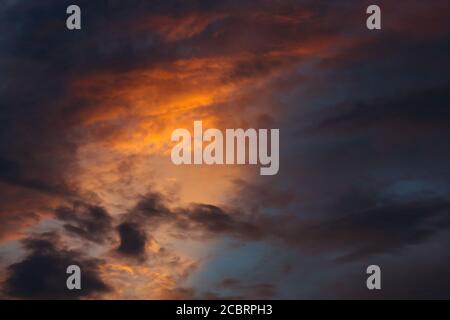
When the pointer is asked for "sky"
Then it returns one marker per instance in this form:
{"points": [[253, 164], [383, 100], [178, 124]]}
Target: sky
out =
{"points": [[86, 177]]}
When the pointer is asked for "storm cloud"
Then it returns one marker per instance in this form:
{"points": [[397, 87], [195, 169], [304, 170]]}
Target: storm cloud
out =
{"points": [[42, 274], [85, 123]]}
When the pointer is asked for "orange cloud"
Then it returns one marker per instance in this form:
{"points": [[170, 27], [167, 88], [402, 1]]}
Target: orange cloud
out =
{"points": [[179, 28]]}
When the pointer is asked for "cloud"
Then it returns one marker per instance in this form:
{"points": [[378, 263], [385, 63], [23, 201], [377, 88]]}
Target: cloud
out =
{"points": [[358, 232], [195, 220], [363, 117], [211, 221], [419, 108], [352, 224], [86, 221], [152, 213], [42, 274], [132, 240]]}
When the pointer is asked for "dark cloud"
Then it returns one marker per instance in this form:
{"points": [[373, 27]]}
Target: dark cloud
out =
{"points": [[153, 206], [419, 274], [194, 221], [418, 109], [352, 224], [198, 219], [132, 240], [211, 220], [382, 228], [257, 196], [11, 173], [89, 222], [42, 274], [357, 225], [255, 67]]}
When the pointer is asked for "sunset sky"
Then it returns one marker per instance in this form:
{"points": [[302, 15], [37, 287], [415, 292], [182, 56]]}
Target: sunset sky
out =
{"points": [[86, 176]]}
